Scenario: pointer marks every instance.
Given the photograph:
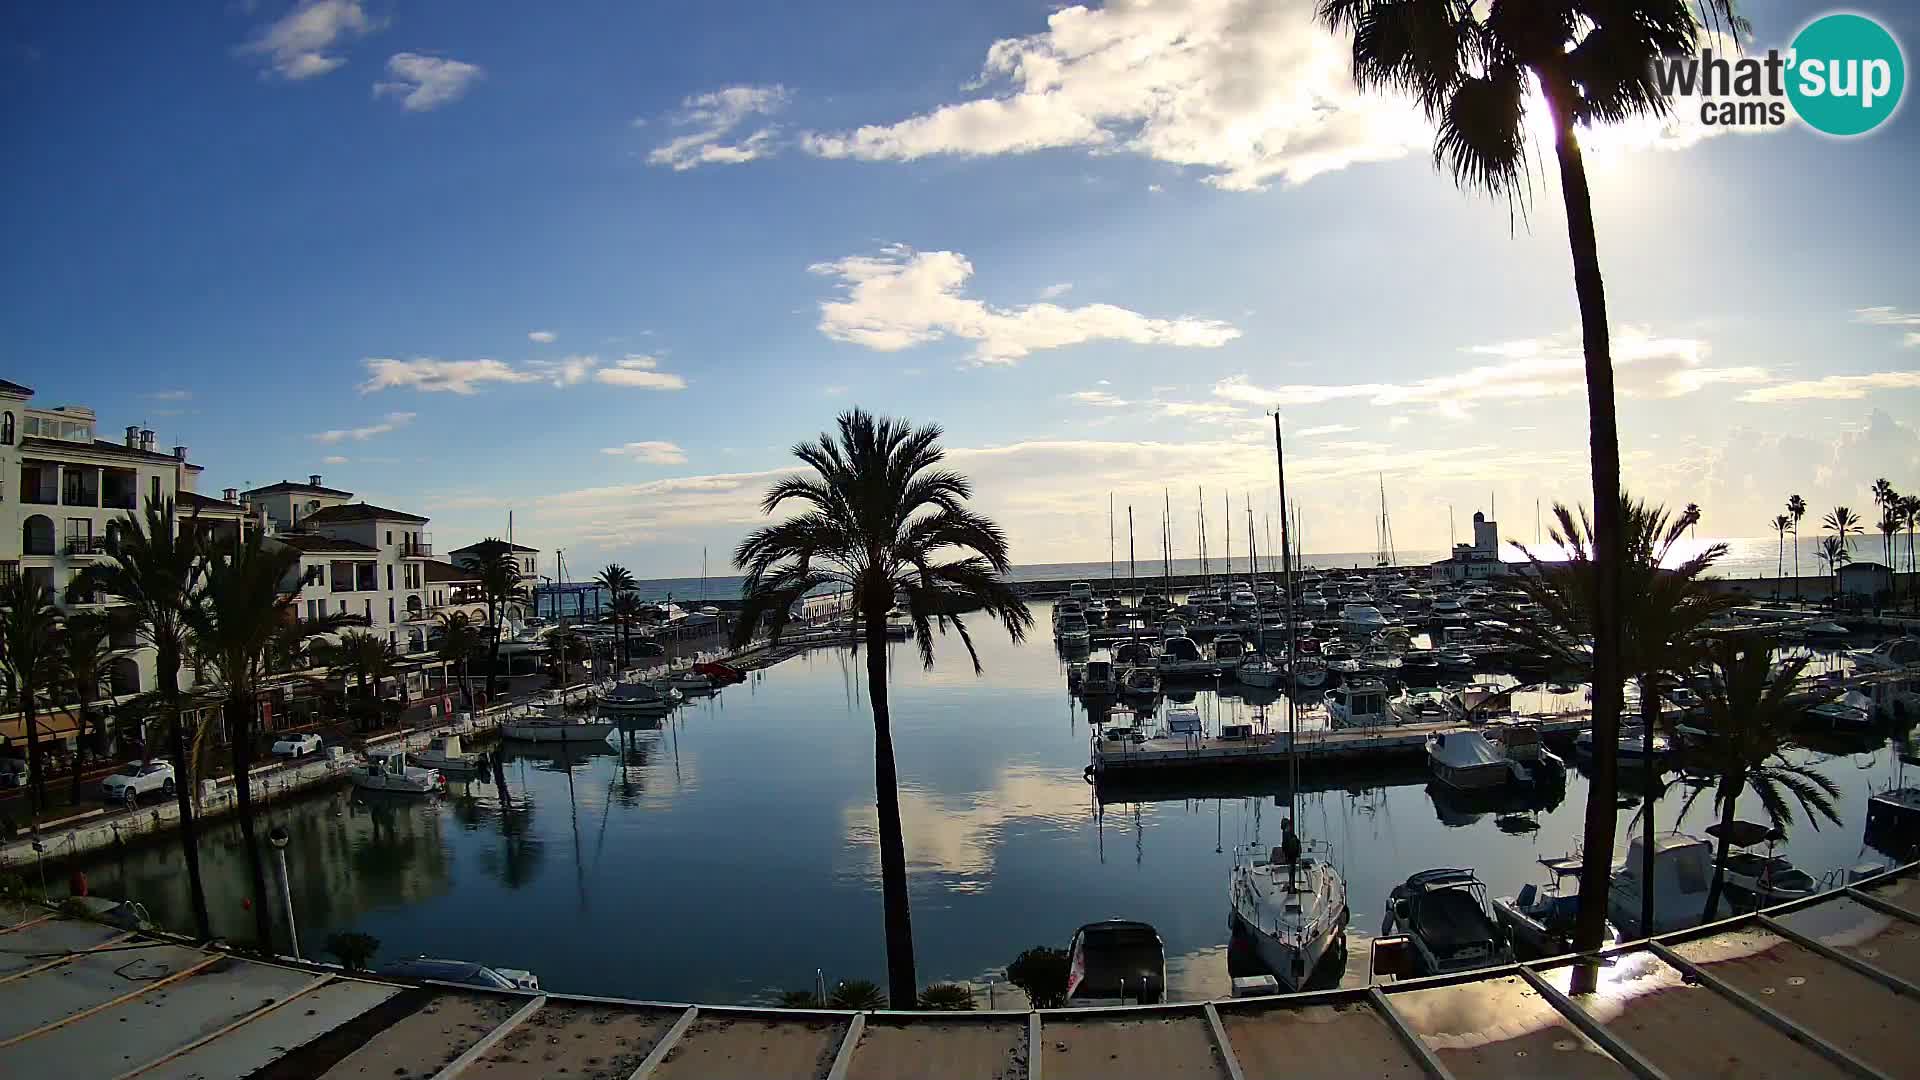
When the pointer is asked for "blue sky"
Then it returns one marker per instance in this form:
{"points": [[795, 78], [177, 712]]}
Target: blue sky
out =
{"points": [[658, 247]]}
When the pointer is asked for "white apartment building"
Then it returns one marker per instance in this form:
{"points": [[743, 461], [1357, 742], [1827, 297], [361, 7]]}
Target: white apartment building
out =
{"points": [[355, 558]]}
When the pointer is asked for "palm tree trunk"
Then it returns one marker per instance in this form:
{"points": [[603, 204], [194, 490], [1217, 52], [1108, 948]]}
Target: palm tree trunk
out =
{"points": [[902, 986], [1735, 785], [169, 666], [1649, 715], [34, 763], [79, 743], [239, 710], [1604, 436], [1796, 561]]}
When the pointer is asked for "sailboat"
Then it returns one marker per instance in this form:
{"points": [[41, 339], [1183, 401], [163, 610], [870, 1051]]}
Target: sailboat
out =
{"points": [[1292, 904]]}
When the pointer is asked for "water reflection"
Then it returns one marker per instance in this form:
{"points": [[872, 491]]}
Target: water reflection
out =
{"points": [[729, 853]]}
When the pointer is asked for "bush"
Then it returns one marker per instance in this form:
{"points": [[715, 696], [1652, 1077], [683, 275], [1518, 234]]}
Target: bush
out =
{"points": [[857, 994], [1041, 974], [352, 949], [799, 999], [947, 997]]}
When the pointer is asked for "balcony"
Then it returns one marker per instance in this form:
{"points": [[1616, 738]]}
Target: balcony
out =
{"points": [[9, 571], [86, 545], [418, 548]]}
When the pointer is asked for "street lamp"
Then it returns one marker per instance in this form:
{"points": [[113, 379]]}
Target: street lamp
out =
{"points": [[278, 838]]}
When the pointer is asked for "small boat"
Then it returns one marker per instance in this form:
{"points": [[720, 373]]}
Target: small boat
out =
{"points": [[1890, 655], [1826, 630], [387, 770], [464, 973], [1755, 880], [1116, 962], [1309, 673], [1099, 679], [1141, 681], [1682, 876], [637, 703], [1631, 748], [1467, 760], [1852, 709], [1228, 649], [721, 674], [1181, 656], [1445, 913], [687, 680], [1293, 914], [444, 755], [1259, 670], [1419, 707], [1539, 921], [554, 727], [1358, 703]]}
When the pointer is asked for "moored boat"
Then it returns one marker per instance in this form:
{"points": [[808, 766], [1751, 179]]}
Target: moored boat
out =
{"points": [[388, 770], [1116, 962], [1445, 913], [556, 728], [445, 755], [1538, 921]]}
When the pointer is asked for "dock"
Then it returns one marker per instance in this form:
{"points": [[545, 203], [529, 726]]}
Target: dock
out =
{"points": [[1346, 746], [1827, 986]]}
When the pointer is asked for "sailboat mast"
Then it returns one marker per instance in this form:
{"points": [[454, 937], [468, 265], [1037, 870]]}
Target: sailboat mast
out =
{"points": [[1253, 560], [1133, 622], [1226, 523], [1200, 505], [1286, 571], [1110, 570]]}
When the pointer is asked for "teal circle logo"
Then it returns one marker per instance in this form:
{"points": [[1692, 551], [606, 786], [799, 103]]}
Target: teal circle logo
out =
{"points": [[1847, 74]]}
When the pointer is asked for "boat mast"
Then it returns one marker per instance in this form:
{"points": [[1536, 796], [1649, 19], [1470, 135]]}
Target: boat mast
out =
{"points": [[1133, 620], [1110, 570], [1200, 504], [1166, 545], [1226, 522], [1286, 571], [1253, 557]]}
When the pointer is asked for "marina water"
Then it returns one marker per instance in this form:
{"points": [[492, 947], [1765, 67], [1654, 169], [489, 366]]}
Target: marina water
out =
{"points": [[727, 856]]}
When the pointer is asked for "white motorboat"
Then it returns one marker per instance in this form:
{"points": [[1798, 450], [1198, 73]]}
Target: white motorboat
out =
{"points": [[1358, 703], [1181, 656], [1852, 709], [1826, 630], [1362, 619], [1631, 750], [1071, 630], [1116, 962], [1228, 649], [1293, 913], [1259, 670], [1539, 921], [1682, 877], [637, 703], [1890, 655], [1099, 679], [387, 770], [1418, 707], [1445, 913], [445, 756], [1446, 607], [690, 681], [1141, 681], [1470, 759], [555, 727]]}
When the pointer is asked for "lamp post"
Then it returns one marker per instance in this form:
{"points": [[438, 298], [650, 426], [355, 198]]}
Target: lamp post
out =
{"points": [[278, 838]]}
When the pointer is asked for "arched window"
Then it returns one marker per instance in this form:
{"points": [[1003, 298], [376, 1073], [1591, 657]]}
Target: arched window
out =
{"points": [[6, 429], [36, 535]]}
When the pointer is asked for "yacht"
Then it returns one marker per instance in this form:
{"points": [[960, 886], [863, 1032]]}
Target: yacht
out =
{"points": [[1539, 921], [1358, 703], [1259, 670], [445, 756], [1362, 618], [1470, 759], [1446, 915], [555, 726], [1116, 962], [1682, 877], [387, 770], [1294, 914]]}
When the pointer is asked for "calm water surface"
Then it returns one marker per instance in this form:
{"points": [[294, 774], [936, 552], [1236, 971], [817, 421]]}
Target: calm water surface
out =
{"points": [[729, 855]]}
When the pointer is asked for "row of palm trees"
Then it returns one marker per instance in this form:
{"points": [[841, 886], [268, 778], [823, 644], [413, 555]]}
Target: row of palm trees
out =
{"points": [[1897, 513]]}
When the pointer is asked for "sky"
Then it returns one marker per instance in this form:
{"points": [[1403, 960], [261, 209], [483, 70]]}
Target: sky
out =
{"points": [[603, 265]]}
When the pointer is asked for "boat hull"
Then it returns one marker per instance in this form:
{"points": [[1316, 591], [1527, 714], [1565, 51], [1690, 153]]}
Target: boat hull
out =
{"points": [[1472, 777], [1292, 967], [591, 731]]}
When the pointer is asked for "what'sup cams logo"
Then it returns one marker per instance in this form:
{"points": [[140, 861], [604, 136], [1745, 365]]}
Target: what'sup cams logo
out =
{"points": [[1843, 75]]}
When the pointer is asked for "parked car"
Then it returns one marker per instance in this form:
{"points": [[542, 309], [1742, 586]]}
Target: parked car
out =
{"points": [[296, 745], [14, 772], [138, 779]]}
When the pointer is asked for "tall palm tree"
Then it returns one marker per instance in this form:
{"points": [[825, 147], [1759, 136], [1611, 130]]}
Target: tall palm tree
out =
{"points": [[499, 578], [1835, 555], [1751, 712], [627, 609], [1796, 509], [460, 638], [1472, 68], [1890, 522], [1885, 499], [1691, 515], [1910, 513], [1844, 524], [238, 619], [153, 564], [881, 519], [30, 663], [618, 581], [85, 648], [1781, 524], [1665, 615]]}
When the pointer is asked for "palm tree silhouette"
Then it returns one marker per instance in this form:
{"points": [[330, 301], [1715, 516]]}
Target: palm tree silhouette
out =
{"points": [[1796, 509]]}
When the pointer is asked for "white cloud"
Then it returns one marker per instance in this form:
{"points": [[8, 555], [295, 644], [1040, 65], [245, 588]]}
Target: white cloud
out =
{"points": [[567, 371], [639, 371], [649, 453], [1886, 316], [1100, 399], [334, 459], [1057, 290], [1644, 366], [393, 421], [423, 83], [430, 375], [543, 337], [713, 117], [1325, 429], [300, 44], [1834, 387], [901, 298], [169, 395]]}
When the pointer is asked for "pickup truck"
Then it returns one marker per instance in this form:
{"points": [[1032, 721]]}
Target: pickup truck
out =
{"points": [[139, 779]]}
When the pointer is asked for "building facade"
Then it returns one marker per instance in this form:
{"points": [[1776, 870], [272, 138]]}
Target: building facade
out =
{"points": [[355, 559], [1477, 561]]}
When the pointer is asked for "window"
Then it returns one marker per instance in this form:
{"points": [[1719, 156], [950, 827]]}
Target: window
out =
{"points": [[316, 610], [323, 606], [389, 575], [6, 430], [390, 617], [154, 498], [389, 536], [366, 608]]}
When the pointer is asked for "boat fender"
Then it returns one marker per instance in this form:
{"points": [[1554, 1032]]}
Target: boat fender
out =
{"points": [[1087, 774]]}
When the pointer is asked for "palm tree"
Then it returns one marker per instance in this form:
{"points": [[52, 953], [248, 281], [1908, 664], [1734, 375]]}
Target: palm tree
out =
{"points": [[30, 662], [1910, 513], [1750, 713], [1473, 67], [153, 564], [238, 619], [1665, 614], [1885, 499], [1780, 525], [500, 583], [85, 648], [1796, 509], [460, 638], [1844, 524], [1890, 522], [618, 582], [1835, 555], [566, 648], [627, 609], [366, 657], [884, 521], [1691, 515]]}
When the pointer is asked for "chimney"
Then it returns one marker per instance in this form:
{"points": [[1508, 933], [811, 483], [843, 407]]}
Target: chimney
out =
{"points": [[179, 453], [313, 479], [133, 436], [146, 439], [232, 495]]}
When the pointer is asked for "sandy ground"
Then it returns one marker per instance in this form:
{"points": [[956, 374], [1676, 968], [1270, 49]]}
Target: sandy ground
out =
{"points": [[929, 1050]]}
